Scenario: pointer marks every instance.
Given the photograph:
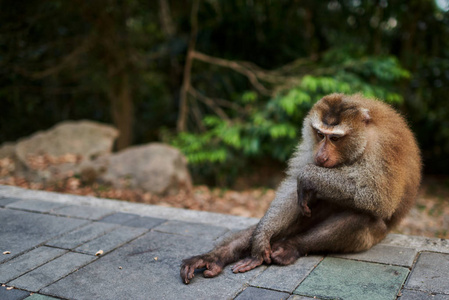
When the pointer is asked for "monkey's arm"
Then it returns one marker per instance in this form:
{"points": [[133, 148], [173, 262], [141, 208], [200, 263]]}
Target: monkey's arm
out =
{"points": [[347, 186]]}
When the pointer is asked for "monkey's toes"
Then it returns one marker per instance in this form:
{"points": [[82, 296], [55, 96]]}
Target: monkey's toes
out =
{"points": [[285, 256], [247, 264], [187, 273], [188, 267], [212, 270]]}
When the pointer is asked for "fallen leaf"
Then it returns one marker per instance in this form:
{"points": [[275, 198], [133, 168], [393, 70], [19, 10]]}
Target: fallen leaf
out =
{"points": [[100, 252], [7, 252]]}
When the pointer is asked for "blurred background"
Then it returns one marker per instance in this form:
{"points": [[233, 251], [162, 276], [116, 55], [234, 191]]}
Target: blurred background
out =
{"points": [[227, 82]]}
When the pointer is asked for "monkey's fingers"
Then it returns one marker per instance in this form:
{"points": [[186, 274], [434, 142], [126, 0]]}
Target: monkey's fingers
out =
{"points": [[305, 210], [247, 264]]}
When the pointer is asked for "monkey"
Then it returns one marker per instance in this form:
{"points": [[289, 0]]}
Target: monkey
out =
{"points": [[351, 179]]}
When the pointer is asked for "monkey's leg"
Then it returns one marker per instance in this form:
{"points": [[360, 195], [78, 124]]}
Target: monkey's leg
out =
{"points": [[282, 213], [231, 249], [343, 232]]}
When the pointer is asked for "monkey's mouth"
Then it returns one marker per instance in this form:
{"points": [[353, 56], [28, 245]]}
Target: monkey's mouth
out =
{"points": [[326, 164]]}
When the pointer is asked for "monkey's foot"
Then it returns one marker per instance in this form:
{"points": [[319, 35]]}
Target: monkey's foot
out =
{"points": [[247, 264], [213, 267], [284, 253]]}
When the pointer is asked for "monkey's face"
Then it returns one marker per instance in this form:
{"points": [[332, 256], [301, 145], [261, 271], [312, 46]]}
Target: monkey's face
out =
{"points": [[338, 129]]}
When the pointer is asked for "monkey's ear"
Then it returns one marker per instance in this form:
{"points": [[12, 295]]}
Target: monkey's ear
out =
{"points": [[365, 115]]}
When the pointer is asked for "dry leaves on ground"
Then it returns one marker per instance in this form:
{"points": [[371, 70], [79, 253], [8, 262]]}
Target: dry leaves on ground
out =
{"points": [[430, 216]]}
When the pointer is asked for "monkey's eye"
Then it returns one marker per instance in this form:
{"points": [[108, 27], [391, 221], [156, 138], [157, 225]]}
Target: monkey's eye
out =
{"points": [[335, 138], [320, 135]]}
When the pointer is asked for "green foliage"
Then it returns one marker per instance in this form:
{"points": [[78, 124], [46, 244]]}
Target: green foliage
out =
{"points": [[63, 59], [270, 127]]}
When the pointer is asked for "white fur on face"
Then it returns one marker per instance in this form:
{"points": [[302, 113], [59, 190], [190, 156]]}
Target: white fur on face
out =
{"points": [[337, 130]]}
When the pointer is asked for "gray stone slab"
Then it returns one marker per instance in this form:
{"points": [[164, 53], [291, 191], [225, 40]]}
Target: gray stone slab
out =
{"points": [[13, 294], [419, 243], [111, 240], [28, 261], [338, 278], [39, 297], [431, 273], [6, 201], [252, 293], [145, 222], [22, 231], [83, 212], [286, 278], [52, 271], [119, 218], [149, 270], [385, 254], [79, 236], [35, 205], [419, 295], [192, 229]]}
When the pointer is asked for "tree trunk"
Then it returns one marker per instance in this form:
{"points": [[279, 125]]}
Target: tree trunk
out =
{"points": [[122, 108]]}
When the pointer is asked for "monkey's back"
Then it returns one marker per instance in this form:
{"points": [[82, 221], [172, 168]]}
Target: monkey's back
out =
{"points": [[401, 156]]}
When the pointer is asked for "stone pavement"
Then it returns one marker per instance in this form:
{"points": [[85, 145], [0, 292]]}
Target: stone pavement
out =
{"points": [[49, 242]]}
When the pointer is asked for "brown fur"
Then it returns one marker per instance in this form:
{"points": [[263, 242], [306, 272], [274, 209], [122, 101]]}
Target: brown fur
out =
{"points": [[340, 195]]}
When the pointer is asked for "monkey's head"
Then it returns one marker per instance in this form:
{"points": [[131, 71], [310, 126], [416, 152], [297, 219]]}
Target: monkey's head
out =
{"points": [[336, 127]]}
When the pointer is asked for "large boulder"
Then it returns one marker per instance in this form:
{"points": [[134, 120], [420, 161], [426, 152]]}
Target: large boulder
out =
{"points": [[155, 167], [84, 139], [56, 153]]}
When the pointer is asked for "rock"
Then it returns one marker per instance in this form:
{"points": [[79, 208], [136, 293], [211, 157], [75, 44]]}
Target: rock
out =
{"points": [[56, 153], [7, 150], [155, 167], [84, 139]]}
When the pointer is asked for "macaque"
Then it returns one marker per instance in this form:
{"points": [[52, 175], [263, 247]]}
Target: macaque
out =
{"points": [[352, 178]]}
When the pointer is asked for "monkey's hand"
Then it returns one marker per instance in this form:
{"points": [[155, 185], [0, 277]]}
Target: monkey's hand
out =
{"points": [[305, 196], [252, 262]]}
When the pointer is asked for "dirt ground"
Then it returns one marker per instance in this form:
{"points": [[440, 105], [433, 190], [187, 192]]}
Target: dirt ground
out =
{"points": [[429, 217]]}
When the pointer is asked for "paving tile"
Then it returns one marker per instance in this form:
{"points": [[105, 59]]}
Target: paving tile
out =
{"points": [[39, 297], [192, 229], [145, 222], [111, 240], [35, 205], [26, 262], [83, 212], [119, 218], [6, 201], [252, 293], [430, 273], [419, 295], [349, 279], [13, 294], [385, 254], [298, 297], [22, 231], [144, 277], [286, 278], [52, 271], [79, 236]]}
